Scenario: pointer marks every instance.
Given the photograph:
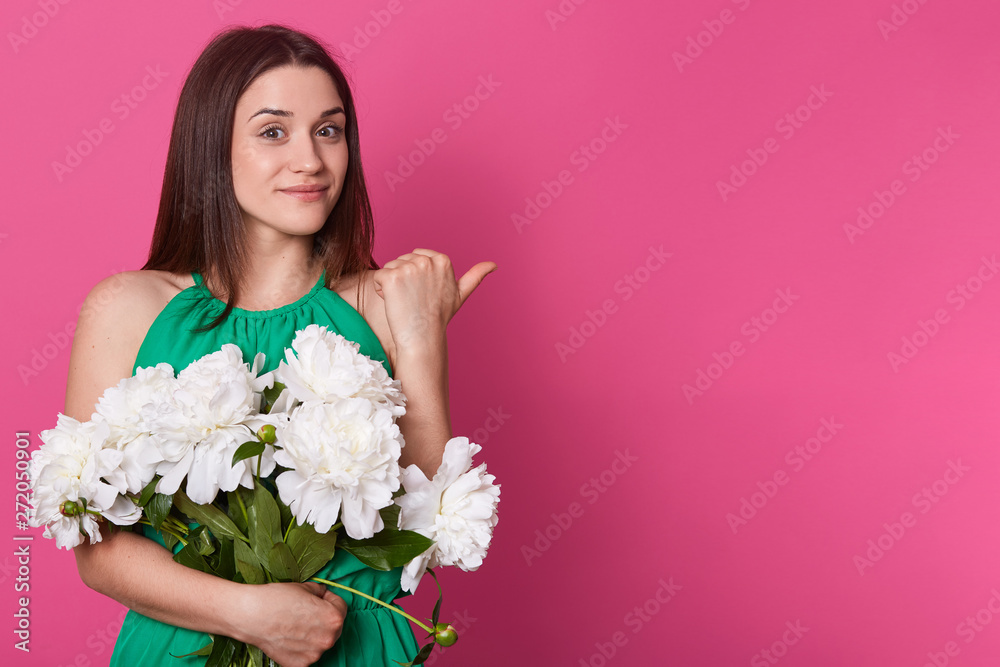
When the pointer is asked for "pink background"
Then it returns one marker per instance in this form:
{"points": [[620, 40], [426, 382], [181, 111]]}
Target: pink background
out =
{"points": [[651, 563]]}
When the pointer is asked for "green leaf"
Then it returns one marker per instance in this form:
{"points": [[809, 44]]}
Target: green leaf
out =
{"points": [[209, 515], [312, 550], [170, 540], [256, 656], [201, 538], [388, 549], [437, 607], [158, 508], [285, 512], [223, 561], [271, 395], [222, 652], [148, 490], [247, 450], [265, 523], [247, 563], [390, 516], [282, 563], [204, 650], [422, 656], [235, 508], [190, 557]]}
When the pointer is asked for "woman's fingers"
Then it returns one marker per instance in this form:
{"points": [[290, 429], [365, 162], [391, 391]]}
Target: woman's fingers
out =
{"points": [[421, 294], [472, 278], [317, 589], [295, 623]]}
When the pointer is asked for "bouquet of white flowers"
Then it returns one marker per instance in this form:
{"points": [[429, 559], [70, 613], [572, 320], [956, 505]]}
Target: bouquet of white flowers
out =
{"points": [[191, 454]]}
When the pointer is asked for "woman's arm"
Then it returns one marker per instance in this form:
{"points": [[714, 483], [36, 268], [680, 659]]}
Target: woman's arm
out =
{"points": [[292, 623], [415, 296], [421, 366]]}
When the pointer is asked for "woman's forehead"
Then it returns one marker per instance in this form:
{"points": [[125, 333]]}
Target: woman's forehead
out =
{"points": [[306, 90]]}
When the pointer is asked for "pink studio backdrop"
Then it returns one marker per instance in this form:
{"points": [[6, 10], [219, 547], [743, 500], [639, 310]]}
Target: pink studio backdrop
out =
{"points": [[737, 373]]}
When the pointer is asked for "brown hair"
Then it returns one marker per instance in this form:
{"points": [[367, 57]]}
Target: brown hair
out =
{"points": [[199, 226]]}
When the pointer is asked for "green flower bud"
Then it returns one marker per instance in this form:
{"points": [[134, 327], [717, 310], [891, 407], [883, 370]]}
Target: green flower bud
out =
{"points": [[266, 434], [445, 634], [70, 508]]}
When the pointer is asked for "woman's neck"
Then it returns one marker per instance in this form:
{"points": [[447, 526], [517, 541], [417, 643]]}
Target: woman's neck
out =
{"points": [[278, 272]]}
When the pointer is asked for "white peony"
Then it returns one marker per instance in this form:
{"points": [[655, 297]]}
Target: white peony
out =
{"points": [[323, 365], [457, 509], [69, 466], [339, 454], [128, 410], [211, 412]]}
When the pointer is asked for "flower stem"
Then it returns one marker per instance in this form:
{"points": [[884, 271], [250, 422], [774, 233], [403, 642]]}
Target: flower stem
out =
{"points": [[243, 507], [180, 527], [384, 604], [164, 529]]}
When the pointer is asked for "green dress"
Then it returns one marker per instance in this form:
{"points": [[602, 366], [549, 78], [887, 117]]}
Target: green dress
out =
{"points": [[372, 635]]}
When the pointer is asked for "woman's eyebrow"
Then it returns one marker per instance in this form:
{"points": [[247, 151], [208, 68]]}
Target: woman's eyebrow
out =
{"points": [[288, 114]]}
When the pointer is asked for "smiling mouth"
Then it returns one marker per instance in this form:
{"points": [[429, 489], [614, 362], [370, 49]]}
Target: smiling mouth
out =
{"points": [[307, 192], [315, 187]]}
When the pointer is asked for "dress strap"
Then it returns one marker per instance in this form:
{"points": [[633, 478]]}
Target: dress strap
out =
{"points": [[197, 277]]}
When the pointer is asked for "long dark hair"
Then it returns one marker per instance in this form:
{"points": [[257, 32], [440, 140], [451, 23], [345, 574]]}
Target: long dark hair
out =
{"points": [[199, 226]]}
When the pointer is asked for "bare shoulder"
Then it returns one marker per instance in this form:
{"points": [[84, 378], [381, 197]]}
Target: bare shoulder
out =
{"points": [[372, 308], [113, 322]]}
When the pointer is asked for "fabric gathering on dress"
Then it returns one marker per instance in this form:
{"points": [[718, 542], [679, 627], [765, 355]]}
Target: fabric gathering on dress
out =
{"points": [[372, 635]]}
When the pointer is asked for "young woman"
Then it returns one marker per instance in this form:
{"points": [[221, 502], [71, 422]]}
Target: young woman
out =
{"points": [[264, 227]]}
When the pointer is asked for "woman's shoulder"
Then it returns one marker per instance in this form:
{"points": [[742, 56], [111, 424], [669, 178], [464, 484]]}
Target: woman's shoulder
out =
{"points": [[138, 286], [113, 321], [123, 306], [130, 297]]}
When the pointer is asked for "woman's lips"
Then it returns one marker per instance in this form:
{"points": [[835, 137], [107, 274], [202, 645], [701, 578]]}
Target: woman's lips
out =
{"points": [[306, 193]]}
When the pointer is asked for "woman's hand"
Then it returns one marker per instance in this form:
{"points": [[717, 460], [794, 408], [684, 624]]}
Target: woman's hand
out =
{"points": [[292, 623], [421, 294]]}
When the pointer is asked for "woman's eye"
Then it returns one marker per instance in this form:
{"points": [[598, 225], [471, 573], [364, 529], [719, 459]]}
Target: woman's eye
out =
{"points": [[272, 132], [332, 131]]}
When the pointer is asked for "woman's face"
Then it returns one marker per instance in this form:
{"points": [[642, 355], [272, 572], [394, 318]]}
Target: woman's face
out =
{"points": [[289, 151]]}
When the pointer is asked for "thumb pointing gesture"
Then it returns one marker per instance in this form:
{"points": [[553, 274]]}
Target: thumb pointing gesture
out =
{"points": [[472, 278]]}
